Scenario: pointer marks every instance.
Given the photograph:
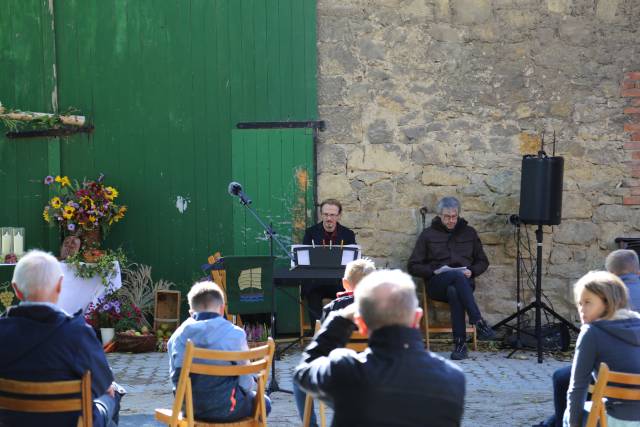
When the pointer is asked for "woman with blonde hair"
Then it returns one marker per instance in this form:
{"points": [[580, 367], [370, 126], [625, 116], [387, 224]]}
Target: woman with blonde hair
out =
{"points": [[610, 334]]}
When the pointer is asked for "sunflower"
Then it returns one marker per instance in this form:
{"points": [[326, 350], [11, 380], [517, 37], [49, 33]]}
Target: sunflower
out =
{"points": [[68, 212], [110, 193], [92, 219], [56, 202], [45, 214]]}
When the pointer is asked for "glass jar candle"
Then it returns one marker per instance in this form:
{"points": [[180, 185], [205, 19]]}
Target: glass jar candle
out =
{"points": [[6, 240], [18, 240]]}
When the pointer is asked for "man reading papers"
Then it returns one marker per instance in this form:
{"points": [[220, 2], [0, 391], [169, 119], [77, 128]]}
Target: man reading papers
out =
{"points": [[449, 255]]}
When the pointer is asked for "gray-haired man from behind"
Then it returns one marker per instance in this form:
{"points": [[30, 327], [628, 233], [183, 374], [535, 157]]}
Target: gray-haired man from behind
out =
{"points": [[44, 343], [395, 382], [624, 264]]}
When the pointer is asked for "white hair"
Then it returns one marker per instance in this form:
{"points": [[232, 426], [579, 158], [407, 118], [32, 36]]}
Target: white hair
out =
{"points": [[385, 298], [36, 271]]}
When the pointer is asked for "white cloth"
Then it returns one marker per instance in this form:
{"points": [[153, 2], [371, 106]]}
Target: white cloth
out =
{"points": [[77, 293]]}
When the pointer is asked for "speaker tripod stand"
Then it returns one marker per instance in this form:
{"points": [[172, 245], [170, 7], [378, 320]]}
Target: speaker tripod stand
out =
{"points": [[538, 305]]}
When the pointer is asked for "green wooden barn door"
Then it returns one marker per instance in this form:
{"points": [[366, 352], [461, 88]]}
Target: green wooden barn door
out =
{"points": [[27, 82], [276, 170]]}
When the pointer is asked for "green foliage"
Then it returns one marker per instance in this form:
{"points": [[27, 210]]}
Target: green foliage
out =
{"points": [[37, 122], [103, 267]]}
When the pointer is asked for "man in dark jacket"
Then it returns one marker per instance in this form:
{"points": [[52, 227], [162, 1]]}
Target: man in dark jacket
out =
{"points": [[395, 382], [43, 343], [449, 255], [327, 232], [354, 272]]}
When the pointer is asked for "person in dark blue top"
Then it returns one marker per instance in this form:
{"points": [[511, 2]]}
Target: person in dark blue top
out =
{"points": [[328, 232], [44, 343]]}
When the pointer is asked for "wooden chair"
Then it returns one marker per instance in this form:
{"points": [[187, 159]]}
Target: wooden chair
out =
{"points": [[357, 342], [259, 364], [440, 327], [601, 389], [26, 390]]}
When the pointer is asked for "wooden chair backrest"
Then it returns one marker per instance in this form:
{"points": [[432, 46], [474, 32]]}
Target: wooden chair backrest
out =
{"points": [[26, 396], [602, 389], [259, 363]]}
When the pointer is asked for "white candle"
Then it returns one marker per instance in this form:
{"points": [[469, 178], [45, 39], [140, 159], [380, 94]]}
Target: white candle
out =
{"points": [[18, 244], [6, 243]]}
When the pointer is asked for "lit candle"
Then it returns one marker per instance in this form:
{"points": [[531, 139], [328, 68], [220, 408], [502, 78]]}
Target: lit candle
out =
{"points": [[6, 242], [18, 243]]}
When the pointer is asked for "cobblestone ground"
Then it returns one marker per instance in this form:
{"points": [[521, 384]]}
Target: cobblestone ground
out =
{"points": [[500, 391]]}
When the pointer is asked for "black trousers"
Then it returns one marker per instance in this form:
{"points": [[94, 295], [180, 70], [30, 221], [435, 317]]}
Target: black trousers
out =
{"points": [[314, 296], [452, 287]]}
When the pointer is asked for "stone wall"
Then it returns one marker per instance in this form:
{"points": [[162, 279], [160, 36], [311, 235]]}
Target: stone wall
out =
{"points": [[426, 98]]}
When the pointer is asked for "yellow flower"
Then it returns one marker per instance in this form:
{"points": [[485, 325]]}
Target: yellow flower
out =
{"points": [[92, 219], [45, 214], [88, 203], [122, 210], [68, 212], [56, 202], [58, 179], [110, 193], [64, 181]]}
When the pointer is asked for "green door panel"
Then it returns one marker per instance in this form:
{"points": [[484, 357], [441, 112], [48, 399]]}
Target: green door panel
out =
{"points": [[276, 170]]}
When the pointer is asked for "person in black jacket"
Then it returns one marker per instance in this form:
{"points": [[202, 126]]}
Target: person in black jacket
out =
{"points": [[395, 382], [327, 232], [44, 343], [449, 256], [354, 272]]}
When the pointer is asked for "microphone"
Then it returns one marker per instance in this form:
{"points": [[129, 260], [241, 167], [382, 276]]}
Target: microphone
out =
{"points": [[235, 189]]}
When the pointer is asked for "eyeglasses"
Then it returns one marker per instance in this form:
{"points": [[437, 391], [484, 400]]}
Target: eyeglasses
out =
{"points": [[449, 217]]}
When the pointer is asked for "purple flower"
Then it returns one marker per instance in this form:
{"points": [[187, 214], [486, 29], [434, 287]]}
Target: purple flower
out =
{"points": [[71, 226], [74, 204], [48, 180]]}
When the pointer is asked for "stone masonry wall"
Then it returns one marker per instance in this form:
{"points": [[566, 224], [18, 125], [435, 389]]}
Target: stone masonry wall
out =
{"points": [[427, 98]]}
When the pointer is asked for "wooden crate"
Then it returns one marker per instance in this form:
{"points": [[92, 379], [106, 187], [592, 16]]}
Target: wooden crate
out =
{"points": [[167, 309]]}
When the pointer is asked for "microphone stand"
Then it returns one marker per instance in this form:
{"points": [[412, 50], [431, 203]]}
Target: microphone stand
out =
{"points": [[268, 229]]}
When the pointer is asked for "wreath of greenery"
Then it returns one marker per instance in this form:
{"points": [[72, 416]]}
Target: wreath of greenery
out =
{"points": [[103, 267]]}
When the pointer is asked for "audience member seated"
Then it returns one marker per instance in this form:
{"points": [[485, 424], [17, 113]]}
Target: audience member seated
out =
{"points": [[449, 256], [610, 334], [354, 272], [41, 342], [395, 382], [623, 263], [215, 399]]}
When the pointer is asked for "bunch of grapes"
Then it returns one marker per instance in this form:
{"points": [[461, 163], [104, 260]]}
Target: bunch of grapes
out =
{"points": [[6, 298]]}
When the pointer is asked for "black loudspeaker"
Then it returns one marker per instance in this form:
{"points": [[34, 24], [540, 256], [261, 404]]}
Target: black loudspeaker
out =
{"points": [[541, 190]]}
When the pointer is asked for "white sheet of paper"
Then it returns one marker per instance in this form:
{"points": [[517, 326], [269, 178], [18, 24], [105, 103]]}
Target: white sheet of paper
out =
{"points": [[446, 268]]}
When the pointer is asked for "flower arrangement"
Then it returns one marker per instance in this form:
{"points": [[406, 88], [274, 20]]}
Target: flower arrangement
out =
{"points": [[79, 206], [102, 267], [111, 312]]}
